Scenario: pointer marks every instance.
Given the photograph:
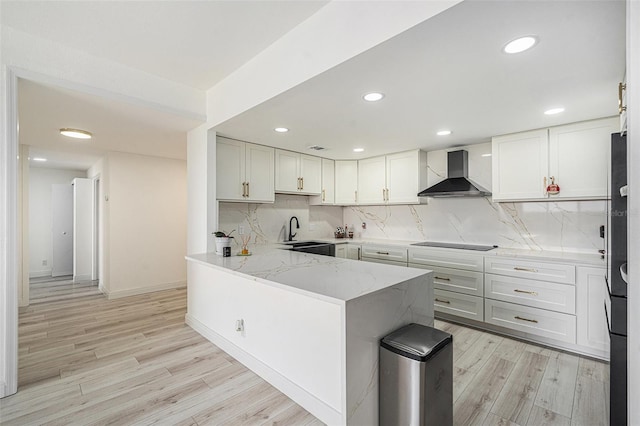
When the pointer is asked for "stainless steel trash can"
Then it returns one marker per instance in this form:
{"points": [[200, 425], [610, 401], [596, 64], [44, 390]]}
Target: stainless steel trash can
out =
{"points": [[416, 377]]}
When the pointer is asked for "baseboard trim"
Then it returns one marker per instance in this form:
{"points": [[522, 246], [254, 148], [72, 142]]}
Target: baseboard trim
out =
{"points": [[81, 278], [40, 274], [299, 395], [142, 290]]}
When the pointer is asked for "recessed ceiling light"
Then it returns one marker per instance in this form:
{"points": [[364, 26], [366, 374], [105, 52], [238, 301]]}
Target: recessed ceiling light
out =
{"points": [[486, 155], [520, 44], [373, 96], [76, 133], [554, 111], [444, 132], [358, 149], [281, 129], [39, 159]]}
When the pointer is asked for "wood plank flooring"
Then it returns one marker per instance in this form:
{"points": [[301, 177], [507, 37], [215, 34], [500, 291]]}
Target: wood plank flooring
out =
{"points": [[87, 360]]}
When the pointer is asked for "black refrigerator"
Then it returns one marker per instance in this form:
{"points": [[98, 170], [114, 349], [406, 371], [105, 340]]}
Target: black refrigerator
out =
{"points": [[616, 280]]}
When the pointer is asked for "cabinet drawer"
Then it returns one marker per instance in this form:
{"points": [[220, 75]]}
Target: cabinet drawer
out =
{"points": [[446, 259], [386, 253], [540, 322], [538, 294], [461, 305], [383, 261], [555, 272], [467, 282]]}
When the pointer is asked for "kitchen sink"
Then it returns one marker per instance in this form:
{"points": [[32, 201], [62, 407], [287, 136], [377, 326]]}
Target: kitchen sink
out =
{"points": [[296, 244], [313, 247]]}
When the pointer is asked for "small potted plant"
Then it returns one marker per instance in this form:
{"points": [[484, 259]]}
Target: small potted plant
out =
{"points": [[222, 240]]}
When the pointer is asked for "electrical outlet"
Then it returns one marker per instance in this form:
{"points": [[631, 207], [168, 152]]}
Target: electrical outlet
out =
{"points": [[44, 262], [240, 230]]}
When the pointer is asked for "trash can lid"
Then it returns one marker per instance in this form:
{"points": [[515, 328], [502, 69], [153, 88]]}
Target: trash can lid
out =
{"points": [[416, 341]]}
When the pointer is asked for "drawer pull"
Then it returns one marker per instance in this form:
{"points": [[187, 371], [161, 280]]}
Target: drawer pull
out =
{"points": [[534, 293], [517, 268], [442, 278], [383, 252], [443, 301], [525, 319]]}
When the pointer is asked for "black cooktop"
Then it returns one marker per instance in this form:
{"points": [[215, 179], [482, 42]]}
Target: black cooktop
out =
{"points": [[455, 246]]}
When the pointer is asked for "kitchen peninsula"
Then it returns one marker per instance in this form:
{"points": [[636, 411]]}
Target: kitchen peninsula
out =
{"points": [[308, 324]]}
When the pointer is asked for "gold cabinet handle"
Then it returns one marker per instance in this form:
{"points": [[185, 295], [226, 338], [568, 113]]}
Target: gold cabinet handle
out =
{"points": [[443, 301], [356, 196], [621, 88], [383, 252], [442, 278], [533, 293], [248, 190], [518, 268], [323, 196], [387, 194], [244, 189], [384, 195], [302, 183], [525, 319]]}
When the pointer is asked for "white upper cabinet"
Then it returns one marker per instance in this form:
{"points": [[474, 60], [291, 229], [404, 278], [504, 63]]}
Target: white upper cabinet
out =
{"points": [[574, 156], [327, 195], [372, 181], [346, 182], [392, 179], [406, 176], [298, 173], [244, 171]]}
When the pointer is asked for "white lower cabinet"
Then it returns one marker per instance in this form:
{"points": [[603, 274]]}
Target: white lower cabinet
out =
{"points": [[539, 322], [592, 322], [458, 304], [354, 252], [460, 281], [341, 251], [384, 254], [538, 294]]}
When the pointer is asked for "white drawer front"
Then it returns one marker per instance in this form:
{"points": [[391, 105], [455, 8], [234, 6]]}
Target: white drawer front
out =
{"points": [[538, 294], [457, 280], [553, 325], [446, 258], [386, 253], [384, 261], [461, 305], [555, 272]]}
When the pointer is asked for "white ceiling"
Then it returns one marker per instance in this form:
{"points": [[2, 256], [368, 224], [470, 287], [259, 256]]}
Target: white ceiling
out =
{"points": [[196, 43], [116, 126], [449, 72]]}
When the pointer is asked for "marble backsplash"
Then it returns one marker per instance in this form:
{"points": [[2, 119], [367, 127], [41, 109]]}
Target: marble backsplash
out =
{"points": [[571, 226], [267, 223]]}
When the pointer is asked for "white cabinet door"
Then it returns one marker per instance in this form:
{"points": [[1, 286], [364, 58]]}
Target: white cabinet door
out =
{"points": [[230, 170], [579, 158], [341, 251], [287, 171], [310, 174], [520, 165], [372, 180], [591, 292], [328, 181], [259, 173], [354, 252], [403, 177], [346, 184]]}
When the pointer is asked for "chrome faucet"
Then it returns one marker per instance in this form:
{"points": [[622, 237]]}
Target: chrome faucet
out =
{"points": [[291, 234]]}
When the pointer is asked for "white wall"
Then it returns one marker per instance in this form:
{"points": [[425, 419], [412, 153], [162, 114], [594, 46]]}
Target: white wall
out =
{"points": [[39, 225], [82, 229], [99, 171], [146, 235]]}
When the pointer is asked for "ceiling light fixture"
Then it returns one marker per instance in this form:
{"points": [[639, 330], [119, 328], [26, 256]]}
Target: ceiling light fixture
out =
{"points": [[358, 149], [444, 132], [39, 159], [554, 111], [486, 155], [76, 133], [520, 44], [281, 129], [373, 96]]}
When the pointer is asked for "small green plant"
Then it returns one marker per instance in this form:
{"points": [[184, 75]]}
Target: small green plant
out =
{"points": [[221, 234]]}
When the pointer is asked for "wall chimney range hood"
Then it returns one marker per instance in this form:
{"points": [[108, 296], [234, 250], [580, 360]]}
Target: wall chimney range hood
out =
{"points": [[457, 183]]}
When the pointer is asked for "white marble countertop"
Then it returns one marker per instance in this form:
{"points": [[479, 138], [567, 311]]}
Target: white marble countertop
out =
{"points": [[590, 259], [326, 276]]}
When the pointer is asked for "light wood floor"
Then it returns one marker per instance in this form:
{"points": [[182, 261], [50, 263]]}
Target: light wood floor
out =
{"points": [[47, 289], [87, 360]]}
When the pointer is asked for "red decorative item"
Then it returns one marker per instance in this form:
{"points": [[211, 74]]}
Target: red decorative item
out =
{"points": [[553, 189]]}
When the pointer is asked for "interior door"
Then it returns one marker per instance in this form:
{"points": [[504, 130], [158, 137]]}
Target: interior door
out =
{"points": [[62, 229]]}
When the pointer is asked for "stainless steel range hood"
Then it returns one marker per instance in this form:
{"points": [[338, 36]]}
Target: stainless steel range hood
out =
{"points": [[457, 183]]}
